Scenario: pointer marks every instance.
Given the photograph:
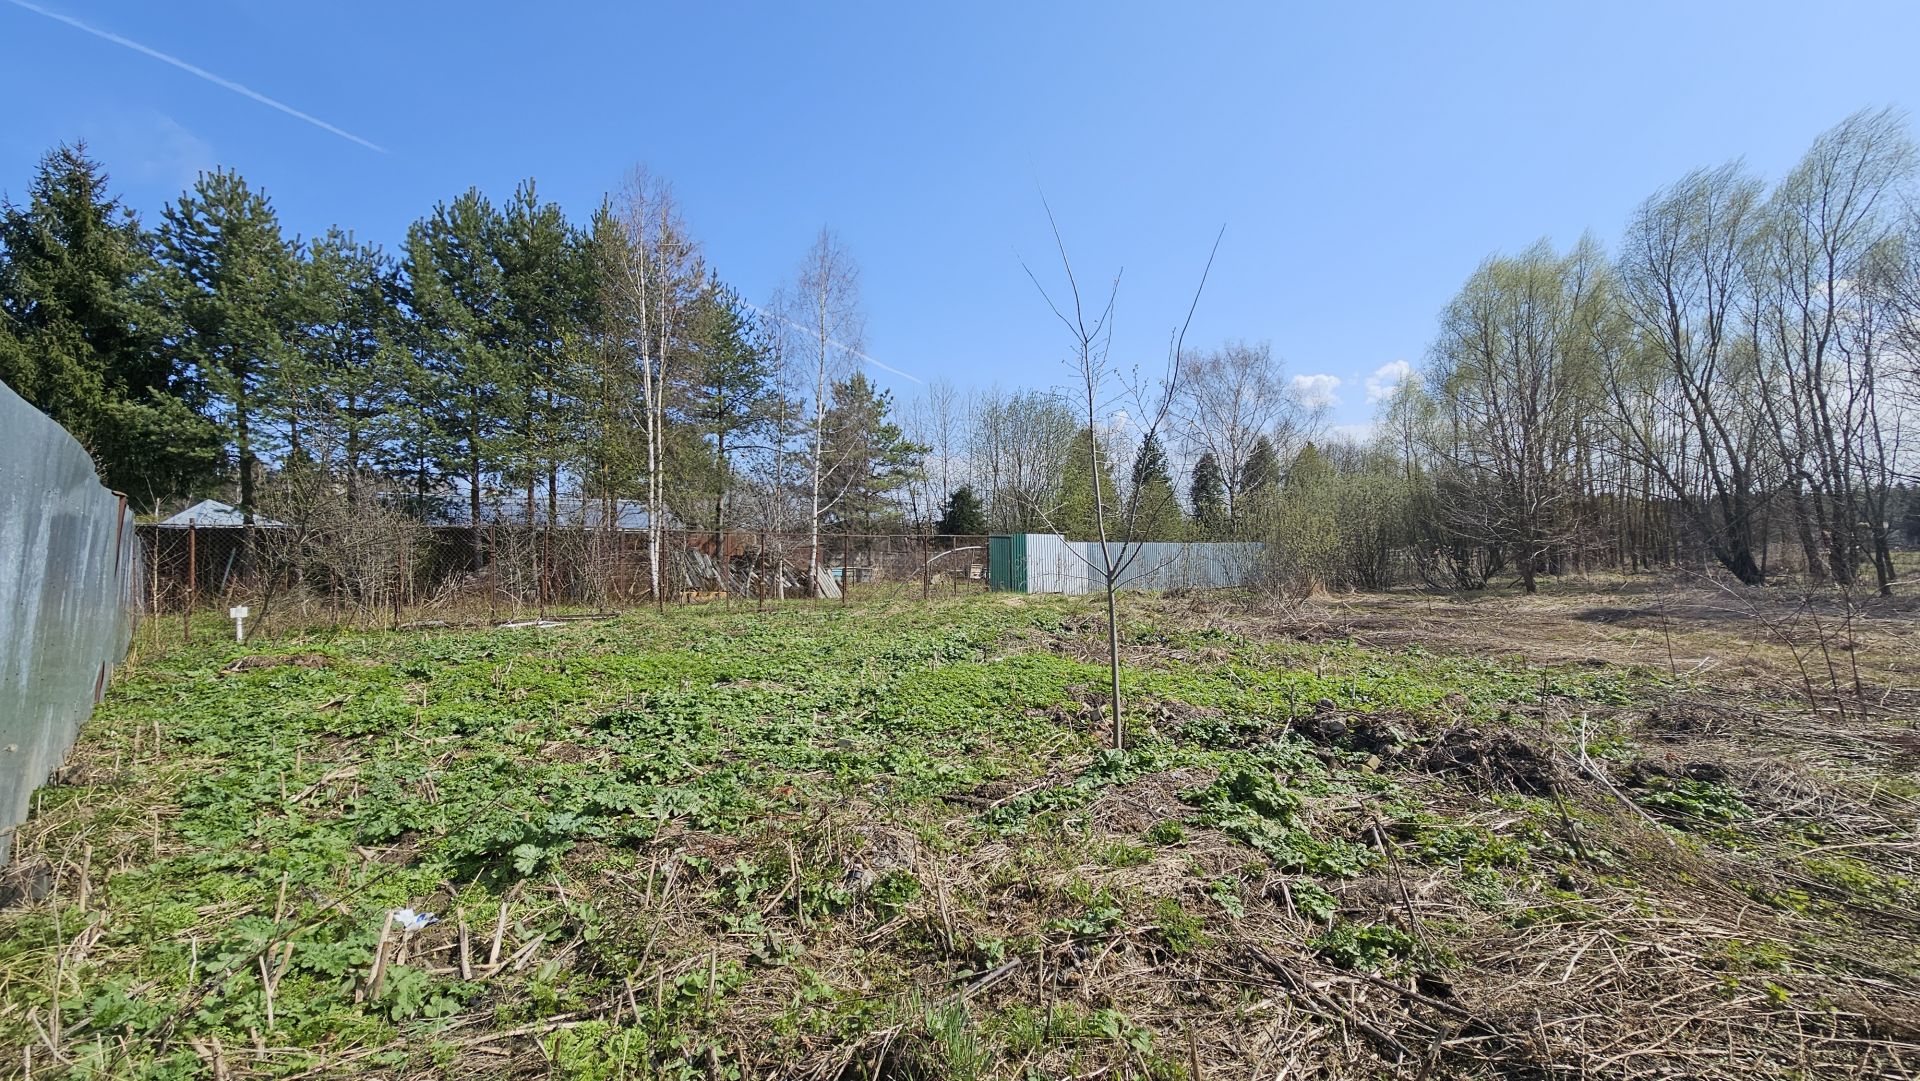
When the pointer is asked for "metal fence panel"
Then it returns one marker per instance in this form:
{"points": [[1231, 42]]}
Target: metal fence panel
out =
{"points": [[1163, 565], [68, 568], [1053, 565]]}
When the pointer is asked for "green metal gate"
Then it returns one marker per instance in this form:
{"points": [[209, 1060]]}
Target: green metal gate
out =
{"points": [[1007, 562]]}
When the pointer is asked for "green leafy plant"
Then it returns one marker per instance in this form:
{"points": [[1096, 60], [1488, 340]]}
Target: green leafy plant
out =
{"points": [[1365, 946]]}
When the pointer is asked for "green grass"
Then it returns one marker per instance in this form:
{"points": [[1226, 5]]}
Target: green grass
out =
{"points": [[662, 810]]}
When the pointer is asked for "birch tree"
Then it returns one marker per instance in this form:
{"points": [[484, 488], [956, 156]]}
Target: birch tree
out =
{"points": [[649, 286], [826, 299], [1232, 398]]}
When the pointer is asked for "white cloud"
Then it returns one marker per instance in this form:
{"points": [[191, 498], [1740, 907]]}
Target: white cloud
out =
{"points": [[1386, 379], [1316, 391], [1352, 433]]}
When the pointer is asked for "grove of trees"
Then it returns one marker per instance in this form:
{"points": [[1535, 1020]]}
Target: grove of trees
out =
{"points": [[1730, 387]]}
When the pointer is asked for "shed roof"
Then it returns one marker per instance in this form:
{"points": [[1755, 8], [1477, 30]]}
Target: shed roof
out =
{"points": [[211, 513]]}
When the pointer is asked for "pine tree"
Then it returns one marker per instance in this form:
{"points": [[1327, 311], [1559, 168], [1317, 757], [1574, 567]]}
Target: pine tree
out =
{"points": [[352, 367], [455, 292], [82, 333], [963, 516], [612, 444], [545, 279], [729, 387], [1207, 496], [230, 286], [868, 458]]}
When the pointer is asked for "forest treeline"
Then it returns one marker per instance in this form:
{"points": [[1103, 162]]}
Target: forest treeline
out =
{"points": [[1732, 386]]}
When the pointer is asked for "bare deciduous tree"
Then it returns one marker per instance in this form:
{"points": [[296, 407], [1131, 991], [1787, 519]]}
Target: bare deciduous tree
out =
{"points": [[826, 303], [1101, 385], [1682, 390], [648, 285], [1229, 399], [1512, 367], [1017, 448]]}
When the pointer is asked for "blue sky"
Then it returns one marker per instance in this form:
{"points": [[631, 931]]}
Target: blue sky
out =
{"points": [[1363, 158]]}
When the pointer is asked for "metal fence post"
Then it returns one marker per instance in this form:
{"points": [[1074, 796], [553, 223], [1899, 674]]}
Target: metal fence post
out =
{"points": [[193, 581]]}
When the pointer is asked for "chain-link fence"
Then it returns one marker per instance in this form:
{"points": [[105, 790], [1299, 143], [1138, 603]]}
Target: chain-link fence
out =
{"points": [[418, 573]]}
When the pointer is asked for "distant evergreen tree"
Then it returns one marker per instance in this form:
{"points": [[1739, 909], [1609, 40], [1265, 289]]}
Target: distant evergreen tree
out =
{"points": [[869, 458], [83, 333], [351, 376], [1207, 497], [230, 287], [1262, 471], [1150, 463], [453, 289], [1155, 509], [1075, 517], [963, 516], [1259, 487], [545, 280], [730, 384]]}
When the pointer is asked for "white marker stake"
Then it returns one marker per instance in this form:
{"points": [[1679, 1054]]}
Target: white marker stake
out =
{"points": [[239, 614]]}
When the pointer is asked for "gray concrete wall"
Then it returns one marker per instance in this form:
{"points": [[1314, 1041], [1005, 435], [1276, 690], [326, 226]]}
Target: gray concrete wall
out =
{"points": [[69, 574]]}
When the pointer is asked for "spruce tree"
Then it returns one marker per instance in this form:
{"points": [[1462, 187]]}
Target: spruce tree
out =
{"points": [[83, 333], [1258, 489], [1153, 506], [963, 515], [1150, 463], [1207, 496]]}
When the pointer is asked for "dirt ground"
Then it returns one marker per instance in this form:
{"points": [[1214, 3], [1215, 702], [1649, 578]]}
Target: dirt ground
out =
{"points": [[1618, 829]]}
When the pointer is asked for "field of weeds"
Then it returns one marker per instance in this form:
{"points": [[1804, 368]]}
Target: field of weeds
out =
{"points": [[1657, 834]]}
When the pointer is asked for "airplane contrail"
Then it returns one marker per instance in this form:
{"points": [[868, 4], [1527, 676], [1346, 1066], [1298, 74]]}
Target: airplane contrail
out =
{"points": [[842, 346], [228, 84]]}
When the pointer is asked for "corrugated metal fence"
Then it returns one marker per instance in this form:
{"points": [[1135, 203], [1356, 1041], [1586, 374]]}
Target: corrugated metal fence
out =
{"points": [[1173, 565], [1049, 563], [69, 569]]}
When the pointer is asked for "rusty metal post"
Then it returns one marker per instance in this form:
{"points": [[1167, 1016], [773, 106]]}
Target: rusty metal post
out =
{"points": [[193, 581], [493, 566]]}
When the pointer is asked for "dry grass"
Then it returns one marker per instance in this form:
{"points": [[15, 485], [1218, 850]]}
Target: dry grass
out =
{"points": [[1545, 914]]}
